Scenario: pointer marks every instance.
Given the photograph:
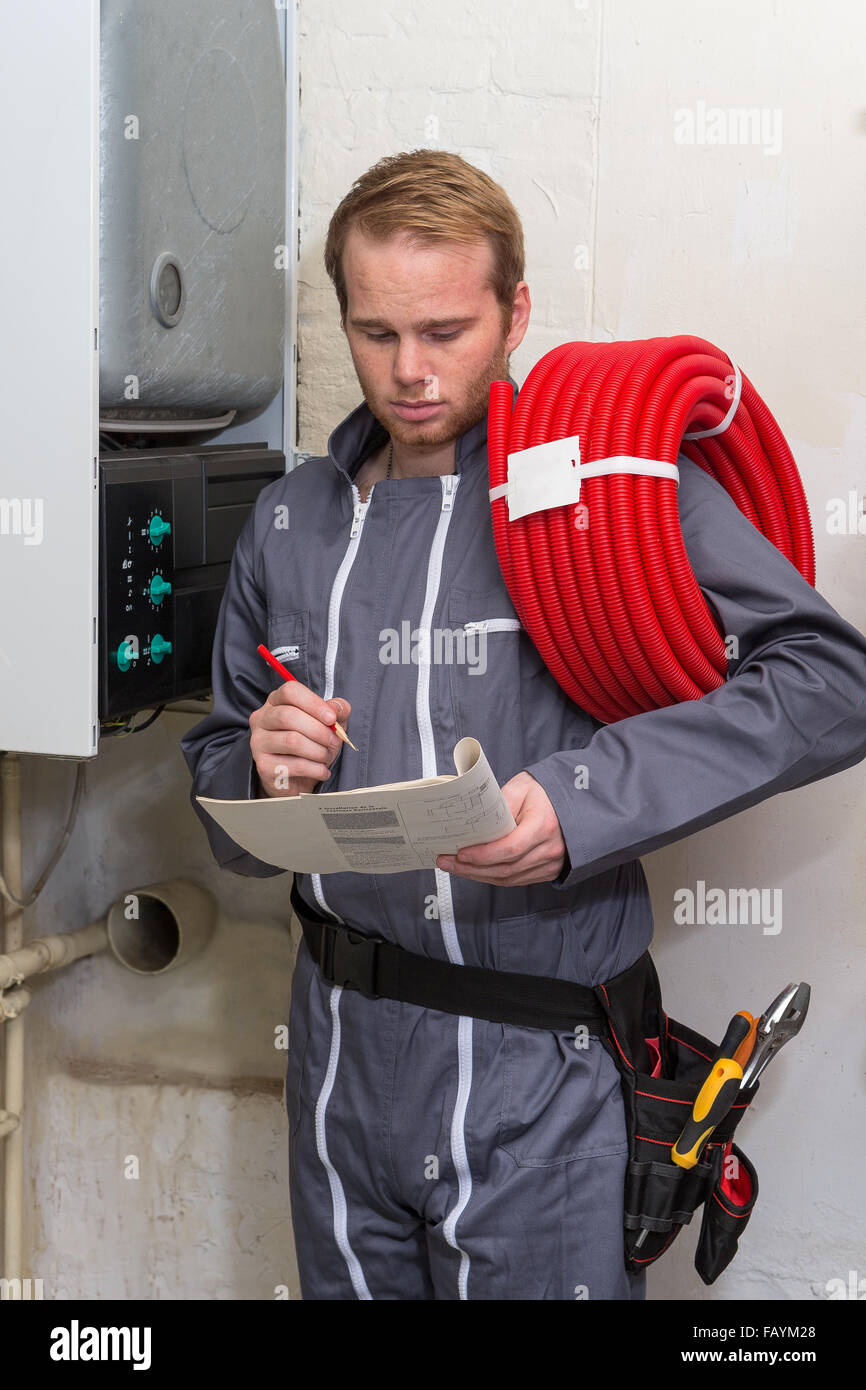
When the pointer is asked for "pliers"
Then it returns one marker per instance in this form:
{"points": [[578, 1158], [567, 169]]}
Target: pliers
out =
{"points": [[781, 1021]]}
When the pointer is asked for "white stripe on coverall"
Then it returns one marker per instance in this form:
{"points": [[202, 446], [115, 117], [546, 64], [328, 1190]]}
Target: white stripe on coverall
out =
{"points": [[443, 885], [338, 1196]]}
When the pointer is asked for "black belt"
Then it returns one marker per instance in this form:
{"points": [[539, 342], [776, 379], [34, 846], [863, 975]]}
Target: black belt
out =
{"points": [[380, 970]]}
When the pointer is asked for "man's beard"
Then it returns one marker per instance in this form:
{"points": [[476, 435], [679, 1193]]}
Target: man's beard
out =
{"points": [[434, 433]]}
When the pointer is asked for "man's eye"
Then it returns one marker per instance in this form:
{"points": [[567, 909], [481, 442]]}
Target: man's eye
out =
{"points": [[437, 337]]}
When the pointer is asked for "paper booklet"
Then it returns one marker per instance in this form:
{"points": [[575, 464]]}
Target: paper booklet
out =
{"points": [[372, 830]]}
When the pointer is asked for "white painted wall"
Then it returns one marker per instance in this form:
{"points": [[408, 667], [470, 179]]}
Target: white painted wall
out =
{"points": [[757, 252], [761, 253]]}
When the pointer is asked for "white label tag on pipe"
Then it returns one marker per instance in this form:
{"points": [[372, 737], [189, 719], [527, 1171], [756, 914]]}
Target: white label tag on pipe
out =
{"points": [[545, 475]]}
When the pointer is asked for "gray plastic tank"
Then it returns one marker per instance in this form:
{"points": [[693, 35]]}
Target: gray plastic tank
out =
{"points": [[192, 295]]}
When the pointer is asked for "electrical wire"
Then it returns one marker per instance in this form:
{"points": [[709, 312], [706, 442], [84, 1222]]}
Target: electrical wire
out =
{"points": [[120, 729]]}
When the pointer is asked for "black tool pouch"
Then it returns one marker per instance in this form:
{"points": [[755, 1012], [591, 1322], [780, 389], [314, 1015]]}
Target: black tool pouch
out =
{"points": [[727, 1209], [660, 1196]]}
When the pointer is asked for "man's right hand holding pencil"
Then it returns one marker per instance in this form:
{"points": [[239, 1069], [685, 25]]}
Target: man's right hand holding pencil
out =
{"points": [[292, 742]]}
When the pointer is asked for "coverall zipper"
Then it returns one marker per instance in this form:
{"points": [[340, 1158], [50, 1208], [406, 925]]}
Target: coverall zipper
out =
{"points": [[338, 1196]]}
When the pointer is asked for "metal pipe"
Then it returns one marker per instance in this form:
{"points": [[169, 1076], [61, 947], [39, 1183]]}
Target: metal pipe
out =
{"points": [[47, 952], [13, 1002], [177, 920], [8, 1123]]}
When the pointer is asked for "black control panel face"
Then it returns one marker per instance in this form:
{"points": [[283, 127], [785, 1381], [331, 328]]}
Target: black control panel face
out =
{"points": [[140, 581], [168, 525]]}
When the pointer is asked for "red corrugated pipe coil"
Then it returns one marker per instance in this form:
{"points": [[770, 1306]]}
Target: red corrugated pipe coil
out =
{"points": [[604, 588]]}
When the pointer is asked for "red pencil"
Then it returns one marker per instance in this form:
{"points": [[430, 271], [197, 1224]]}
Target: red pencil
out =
{"points": [[287, 675]]}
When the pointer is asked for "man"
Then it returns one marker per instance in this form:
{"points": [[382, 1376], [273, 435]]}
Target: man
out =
{"points": [[437, 1156]]}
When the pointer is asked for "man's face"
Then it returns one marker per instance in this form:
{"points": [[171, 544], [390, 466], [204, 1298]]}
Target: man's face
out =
{"points": [[425, 327]]}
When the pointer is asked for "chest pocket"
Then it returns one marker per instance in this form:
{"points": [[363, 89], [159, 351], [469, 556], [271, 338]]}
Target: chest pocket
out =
{"points": [[485, 670], [289, 640]]}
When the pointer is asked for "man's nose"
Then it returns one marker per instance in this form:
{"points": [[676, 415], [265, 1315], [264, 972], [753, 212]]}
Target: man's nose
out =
{"points": [[410, 362]]}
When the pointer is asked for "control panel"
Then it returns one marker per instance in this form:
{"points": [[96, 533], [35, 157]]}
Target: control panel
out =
{"points": [[169, 521]]}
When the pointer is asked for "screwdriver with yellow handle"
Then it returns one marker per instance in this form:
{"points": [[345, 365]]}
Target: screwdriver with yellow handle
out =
{"points": [[719, 1091], [744, 1051], [735, 1048]]}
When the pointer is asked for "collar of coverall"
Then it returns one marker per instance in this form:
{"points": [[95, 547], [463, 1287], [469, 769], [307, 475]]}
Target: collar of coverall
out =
{"points": [[360, 433]]}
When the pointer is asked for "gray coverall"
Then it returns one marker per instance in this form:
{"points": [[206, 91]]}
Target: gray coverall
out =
{"points": [[433, 1156]]}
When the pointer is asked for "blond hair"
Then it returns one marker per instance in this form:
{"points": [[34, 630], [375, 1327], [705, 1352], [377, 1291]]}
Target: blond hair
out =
{"points": [[435, 196]]}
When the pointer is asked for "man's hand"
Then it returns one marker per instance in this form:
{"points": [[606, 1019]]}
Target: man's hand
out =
{"points": [[533, 852], [291, 742]]}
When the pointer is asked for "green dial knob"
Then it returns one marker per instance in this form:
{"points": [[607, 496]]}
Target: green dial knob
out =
{"points": [[158, 529], [125, 655], [159, 587], [159, 647]]}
